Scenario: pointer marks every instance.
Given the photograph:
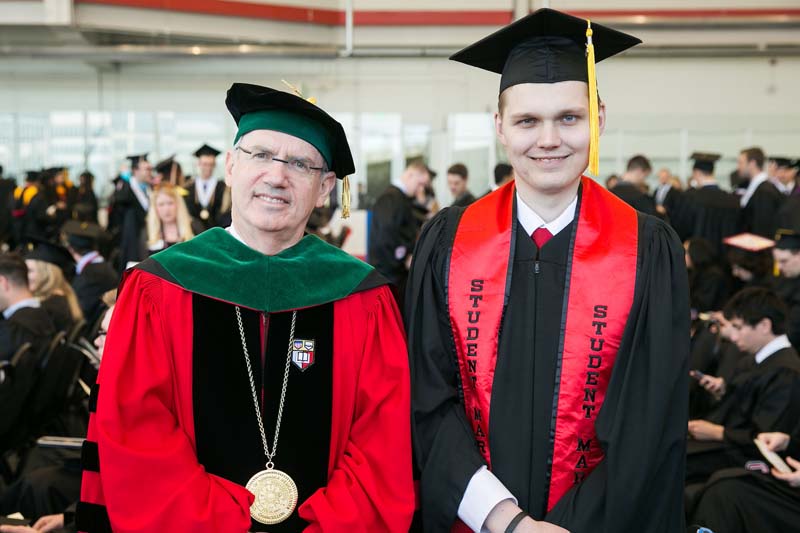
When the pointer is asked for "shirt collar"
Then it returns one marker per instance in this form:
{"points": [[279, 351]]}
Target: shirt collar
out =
{"points": [[28, 302], [531, 221], [91, 257], [778, 343]]}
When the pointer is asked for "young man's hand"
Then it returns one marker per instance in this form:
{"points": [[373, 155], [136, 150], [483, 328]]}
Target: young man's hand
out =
{"points": [[792, 479], [705, 430], [776, 442]]}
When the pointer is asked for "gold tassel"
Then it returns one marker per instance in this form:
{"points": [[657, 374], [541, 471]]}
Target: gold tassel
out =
{"points": [[594, 106], [346, 197], [296, 91]]}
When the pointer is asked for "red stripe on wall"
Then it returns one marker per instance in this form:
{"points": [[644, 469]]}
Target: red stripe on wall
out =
{"points": [[332, 17]]}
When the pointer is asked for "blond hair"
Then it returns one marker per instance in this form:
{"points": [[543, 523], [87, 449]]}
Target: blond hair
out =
{"points": [[183, 219], [50, 281]]}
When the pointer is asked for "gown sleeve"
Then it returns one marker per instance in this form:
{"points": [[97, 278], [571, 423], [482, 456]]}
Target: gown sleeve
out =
{"points": [[445, 452], [140, 465], [642, 426], [370, 488]]}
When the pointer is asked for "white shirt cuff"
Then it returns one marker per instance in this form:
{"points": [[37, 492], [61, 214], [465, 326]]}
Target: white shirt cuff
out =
{"points": [[483, 493]]}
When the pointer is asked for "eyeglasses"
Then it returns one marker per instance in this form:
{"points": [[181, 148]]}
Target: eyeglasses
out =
{"points": [[296, 165]]}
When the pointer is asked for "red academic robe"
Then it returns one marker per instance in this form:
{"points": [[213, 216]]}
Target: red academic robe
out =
{"points": [[149, 476]]}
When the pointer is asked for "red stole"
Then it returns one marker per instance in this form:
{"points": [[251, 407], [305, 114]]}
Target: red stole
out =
{"points": [[601, 274]]}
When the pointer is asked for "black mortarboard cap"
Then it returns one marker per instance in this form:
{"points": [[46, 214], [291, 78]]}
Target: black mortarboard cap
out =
{"points": [[134, 159], [704, 162], [206, 150], [546, 46], [245, 99], [796, 163], [787, 239], [49, 252], [32, 175], [83, 235], [783, 162], [165, 166]]}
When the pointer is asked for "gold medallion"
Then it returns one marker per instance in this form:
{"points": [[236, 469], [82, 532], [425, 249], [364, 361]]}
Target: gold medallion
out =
{"points": [[276, 496], [204, 214]]}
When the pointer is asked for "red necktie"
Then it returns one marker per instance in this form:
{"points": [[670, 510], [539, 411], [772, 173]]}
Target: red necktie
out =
{"points": [[541, 236]]}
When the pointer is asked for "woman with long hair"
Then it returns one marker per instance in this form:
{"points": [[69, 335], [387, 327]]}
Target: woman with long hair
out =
{"points": [[168, 220], [47, 283]]}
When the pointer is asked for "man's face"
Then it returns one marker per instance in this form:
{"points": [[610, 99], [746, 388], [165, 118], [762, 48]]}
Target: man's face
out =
{"points": [[268, 199], [4, 289], [206, 165], [416, 180], [143, 172], [664, 176], [749, 338], [457, 185], [743, 168], [787, 261], [545, 130]]}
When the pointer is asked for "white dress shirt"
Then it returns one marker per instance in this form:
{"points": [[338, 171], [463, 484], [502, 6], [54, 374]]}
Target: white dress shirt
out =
{"points": [[28, 302], [778, 343], [484, 490]]}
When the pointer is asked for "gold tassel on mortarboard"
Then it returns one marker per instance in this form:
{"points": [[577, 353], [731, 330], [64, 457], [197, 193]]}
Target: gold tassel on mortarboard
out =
{"points": [[346, 197], [594, 105]]}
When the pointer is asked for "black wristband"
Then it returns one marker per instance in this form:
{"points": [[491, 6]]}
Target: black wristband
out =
{"points": [[515, 522]]}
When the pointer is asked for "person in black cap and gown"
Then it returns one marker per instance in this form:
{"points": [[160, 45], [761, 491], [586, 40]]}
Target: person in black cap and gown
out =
{"points": [[715, 214], [548, 322], [94, 276], [130, 204], [206, 193]]}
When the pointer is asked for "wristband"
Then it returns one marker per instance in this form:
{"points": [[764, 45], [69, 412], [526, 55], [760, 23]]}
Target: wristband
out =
{"points": [[515, 522]]}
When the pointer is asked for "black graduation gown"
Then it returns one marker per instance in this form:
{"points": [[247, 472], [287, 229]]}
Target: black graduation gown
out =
{"points": [[789, 213], [760, 397], [214, 207], [634, 197], [392, 233], [619, 495], [789, 291], [716, 214], [740, 501], [464, 200], [708, 289], [42, 219], [7, 187], [57, 307], [94, 280], [759, 216], [132, 218], [28, 324]]}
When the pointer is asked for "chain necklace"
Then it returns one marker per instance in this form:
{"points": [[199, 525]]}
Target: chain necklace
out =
{"points": [[275, 491]]}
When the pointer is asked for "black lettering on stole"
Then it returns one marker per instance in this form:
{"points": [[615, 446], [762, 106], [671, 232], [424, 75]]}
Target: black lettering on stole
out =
{"points": [[472, 333]]}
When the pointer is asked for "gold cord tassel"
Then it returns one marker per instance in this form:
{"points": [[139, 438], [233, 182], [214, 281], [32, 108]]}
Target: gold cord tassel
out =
{"points": [[346, 197], [594, 106]]}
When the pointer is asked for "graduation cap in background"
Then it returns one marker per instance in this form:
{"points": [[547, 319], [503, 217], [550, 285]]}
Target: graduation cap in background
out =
{"points": [[206, 150], [781, 162], [83, 235], [704, 162], [749, 242], [786, 239], [43, 250], [549, 46], [254, 107], [165, 165], [32, 175], [134, 159]]}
